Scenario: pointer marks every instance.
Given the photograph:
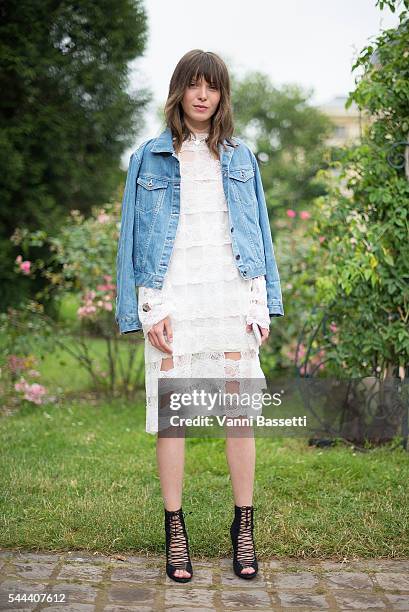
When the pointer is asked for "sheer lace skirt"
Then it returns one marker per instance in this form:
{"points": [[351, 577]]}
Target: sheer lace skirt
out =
{"points": [[206, 365]]}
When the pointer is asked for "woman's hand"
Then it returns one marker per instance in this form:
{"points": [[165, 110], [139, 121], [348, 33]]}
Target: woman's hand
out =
{"points": [[265, 332], [157, 332]]}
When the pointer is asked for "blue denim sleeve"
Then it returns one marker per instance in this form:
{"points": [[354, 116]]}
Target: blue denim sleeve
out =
{"points": [[274, 297], [126, 303]]}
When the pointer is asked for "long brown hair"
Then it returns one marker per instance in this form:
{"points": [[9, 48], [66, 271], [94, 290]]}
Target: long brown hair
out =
{"points": [[193, 65]]}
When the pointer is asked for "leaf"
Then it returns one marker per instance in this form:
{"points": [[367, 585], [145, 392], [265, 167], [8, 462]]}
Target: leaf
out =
{"points": [[373, 261], [388, 257]]}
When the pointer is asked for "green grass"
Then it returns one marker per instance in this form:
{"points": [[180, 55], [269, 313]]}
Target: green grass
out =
{"points": [[68, 308], [61, 372], [84, 477]]}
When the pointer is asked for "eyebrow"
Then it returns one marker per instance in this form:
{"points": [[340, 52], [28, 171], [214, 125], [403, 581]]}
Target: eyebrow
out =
{"points": [[210, 83]]}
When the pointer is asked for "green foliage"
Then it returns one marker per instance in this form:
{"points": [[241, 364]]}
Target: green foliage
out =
{"points": [[81, 267], [66, 114], [391, 4], [361, 265]]}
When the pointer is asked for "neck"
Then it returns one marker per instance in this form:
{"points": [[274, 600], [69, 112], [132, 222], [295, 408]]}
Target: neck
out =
{"points": [[198, 128]]}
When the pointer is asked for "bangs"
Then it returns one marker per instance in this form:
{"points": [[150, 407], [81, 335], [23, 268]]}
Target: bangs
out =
{"points": [[207, 68]]}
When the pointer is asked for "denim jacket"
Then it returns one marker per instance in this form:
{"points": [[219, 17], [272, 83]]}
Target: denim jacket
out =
{"points": [[150, 215]]}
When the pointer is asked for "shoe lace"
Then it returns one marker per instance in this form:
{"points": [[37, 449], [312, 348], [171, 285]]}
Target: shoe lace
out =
{"points": [[178, 554], [245, 543]]}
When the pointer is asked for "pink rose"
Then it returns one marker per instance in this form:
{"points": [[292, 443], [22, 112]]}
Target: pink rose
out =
{"points": [[103, 218], [35, 393], [25, 266]]}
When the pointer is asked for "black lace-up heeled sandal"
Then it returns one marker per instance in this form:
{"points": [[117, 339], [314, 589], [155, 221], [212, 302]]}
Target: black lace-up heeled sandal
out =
{"points": [[242, 538], [177, 545]]}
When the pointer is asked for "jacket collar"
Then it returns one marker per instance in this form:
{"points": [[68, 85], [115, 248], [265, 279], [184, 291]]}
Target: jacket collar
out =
{"points": [[164, 144]]}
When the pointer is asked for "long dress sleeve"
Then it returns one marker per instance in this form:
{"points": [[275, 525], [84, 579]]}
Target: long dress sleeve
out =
{"points": [[153, 306], [258, 310]]}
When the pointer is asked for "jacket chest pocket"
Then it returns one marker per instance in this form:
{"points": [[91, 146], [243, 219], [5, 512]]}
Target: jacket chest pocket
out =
{"points": [[150, 192], [242, 184]]}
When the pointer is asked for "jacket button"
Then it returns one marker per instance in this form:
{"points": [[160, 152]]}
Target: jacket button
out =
{"points": [[146, 307], [237, 256], [231, 229], [244, 273]]}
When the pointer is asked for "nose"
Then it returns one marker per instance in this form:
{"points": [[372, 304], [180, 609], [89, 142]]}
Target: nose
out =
{"points": [[203, 91]]}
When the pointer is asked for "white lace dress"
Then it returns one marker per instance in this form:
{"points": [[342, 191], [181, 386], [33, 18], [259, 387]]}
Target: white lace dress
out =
{"points": [[207, 300]]}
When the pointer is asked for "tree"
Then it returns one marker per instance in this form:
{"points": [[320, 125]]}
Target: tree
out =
{"points": [[288, 136], [66, 115]]}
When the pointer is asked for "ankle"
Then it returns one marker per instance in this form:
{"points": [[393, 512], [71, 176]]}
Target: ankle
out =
{"points": [[173, 510]]}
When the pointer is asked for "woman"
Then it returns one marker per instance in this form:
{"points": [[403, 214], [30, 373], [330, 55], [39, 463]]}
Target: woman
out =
{"points": [[203, 260]]}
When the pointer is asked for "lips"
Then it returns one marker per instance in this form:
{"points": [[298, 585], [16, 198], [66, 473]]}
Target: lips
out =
{"points": [[200, 106]]}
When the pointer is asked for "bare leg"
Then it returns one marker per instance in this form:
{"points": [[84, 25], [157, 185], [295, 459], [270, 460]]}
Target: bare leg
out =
{"points": [[241, 457], [170, 454]]}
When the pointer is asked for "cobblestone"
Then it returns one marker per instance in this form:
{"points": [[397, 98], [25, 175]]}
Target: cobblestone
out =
{"points": [[82, 582]]}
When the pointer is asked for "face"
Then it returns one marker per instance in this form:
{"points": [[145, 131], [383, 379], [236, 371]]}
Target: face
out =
{"points": [[200, 103]]}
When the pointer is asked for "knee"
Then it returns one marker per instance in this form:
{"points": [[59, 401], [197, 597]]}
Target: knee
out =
{"points": [[231, 370], [167, 364], [232, 355]]}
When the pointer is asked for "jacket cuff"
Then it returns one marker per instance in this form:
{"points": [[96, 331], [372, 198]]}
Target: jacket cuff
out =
{"points": [[276, 310], [128, 324]]}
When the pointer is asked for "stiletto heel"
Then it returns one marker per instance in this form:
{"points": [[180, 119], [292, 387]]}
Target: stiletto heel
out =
{"points": [[177, 545], [241, 532]]}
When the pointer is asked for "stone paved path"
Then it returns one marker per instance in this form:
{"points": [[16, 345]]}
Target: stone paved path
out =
{"points": [[112, 584]]}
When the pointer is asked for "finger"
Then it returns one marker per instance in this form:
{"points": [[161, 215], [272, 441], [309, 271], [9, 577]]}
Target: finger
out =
{"points": [[248, 328], [152, 338], [163, 345], [155, 338], [264, 334], [168, 329]]}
